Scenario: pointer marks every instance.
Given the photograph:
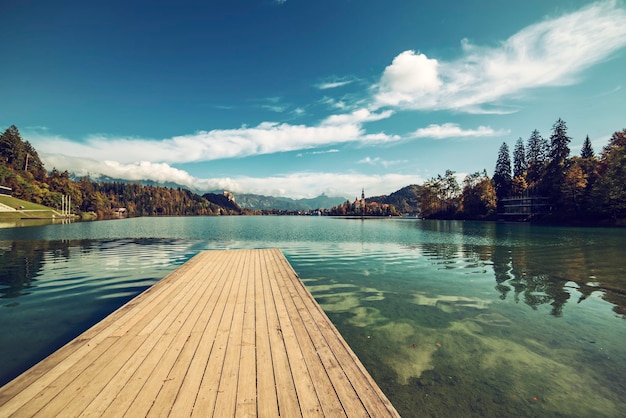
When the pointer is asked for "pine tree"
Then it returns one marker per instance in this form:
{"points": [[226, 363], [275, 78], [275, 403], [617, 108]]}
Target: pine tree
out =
{"points": [[535, 158], [519, 159], [502, 179], [12, 148], [587, 150], [556, 169], [559, 143]]}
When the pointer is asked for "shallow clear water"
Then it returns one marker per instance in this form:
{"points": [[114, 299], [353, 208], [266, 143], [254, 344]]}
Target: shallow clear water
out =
{"points": [[450, 318]]}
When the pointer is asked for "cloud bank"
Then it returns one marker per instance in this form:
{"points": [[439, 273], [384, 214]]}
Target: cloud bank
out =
{"points": [[266, 138], [550, 53], [295, 185], [452, 130]]}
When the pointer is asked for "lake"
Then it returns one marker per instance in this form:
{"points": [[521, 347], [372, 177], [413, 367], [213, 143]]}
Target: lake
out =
{"points": [[451, 318]]}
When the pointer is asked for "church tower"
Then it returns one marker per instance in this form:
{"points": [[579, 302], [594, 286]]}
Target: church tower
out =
{"points": [[362, 202]]}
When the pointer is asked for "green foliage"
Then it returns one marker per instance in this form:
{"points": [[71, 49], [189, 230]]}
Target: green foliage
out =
{"points": [[22, 171], [439, 196], [405, 200], [20, 155], [478, 199]]}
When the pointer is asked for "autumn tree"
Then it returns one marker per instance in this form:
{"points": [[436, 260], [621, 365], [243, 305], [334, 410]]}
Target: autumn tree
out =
{"points": [[574, 186], [478, 198], [609, 191]]}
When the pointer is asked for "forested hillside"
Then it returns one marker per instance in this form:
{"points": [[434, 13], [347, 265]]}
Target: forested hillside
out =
{"points": [[22, 170], [405, 200]]}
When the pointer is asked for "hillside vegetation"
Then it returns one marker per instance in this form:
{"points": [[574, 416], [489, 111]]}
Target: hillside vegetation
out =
{"points": [[22, 170]]}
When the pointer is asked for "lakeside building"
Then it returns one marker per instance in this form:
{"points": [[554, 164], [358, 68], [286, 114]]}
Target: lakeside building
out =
{"points": [[524, 208]]}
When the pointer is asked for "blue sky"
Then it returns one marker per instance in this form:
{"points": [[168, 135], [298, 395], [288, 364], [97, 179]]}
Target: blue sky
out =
{"points": [[299, 97]]}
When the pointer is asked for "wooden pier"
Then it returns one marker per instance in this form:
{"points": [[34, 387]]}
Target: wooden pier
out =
{"points": [[229, 333]]}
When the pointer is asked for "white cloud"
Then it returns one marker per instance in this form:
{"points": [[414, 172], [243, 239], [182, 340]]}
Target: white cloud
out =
{"points": [[550, 53], [306, 185], [266, 138], [452, 130], [275, 108], [336, 82], [295, 185], [143, 170], [335, 104], [357, 117], [330, 151], [380, 161]]}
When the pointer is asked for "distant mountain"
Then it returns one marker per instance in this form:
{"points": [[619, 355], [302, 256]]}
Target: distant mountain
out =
{"points": [[242, 200], [405, 200], [259, 202], [101, 178]]}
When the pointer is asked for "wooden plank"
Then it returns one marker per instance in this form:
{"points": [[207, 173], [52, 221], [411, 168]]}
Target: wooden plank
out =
{"points": [[247, 382], [112, 391], [211, 378], [328, 397], [230, 333], [267, 397], [101, 369], [172, 384], [186, 398], [286, 394], [289, 323], [226, 396], [370, 395]]}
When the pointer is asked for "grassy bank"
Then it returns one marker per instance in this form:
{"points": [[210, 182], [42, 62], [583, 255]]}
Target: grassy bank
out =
{"points": [[27, 209]]}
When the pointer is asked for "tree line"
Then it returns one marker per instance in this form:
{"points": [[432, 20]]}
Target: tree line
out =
{"points": [[588, 188], [22, 170]]}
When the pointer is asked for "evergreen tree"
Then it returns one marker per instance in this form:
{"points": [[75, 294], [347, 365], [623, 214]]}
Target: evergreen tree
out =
{"points": [[536, 150], [519, 168], [556, 169], [502, 180], [609, 192], [12, 148], [559, 143], [587, 150], [519, 159]]}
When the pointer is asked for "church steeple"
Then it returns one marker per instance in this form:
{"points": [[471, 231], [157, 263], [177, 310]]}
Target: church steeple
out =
{"points": [[362, 202]]}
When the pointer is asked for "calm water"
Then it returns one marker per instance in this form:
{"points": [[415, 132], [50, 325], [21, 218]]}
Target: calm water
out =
{"points": [[450, 318]]}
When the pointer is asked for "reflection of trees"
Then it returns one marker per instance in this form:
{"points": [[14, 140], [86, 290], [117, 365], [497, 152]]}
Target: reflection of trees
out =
{"points": [[537, 266], [539, 275], [512, 273], [22, 261]]}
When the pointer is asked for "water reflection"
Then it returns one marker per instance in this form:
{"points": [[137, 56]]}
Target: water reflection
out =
{"points": [[51, 291], [532, 266]]}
